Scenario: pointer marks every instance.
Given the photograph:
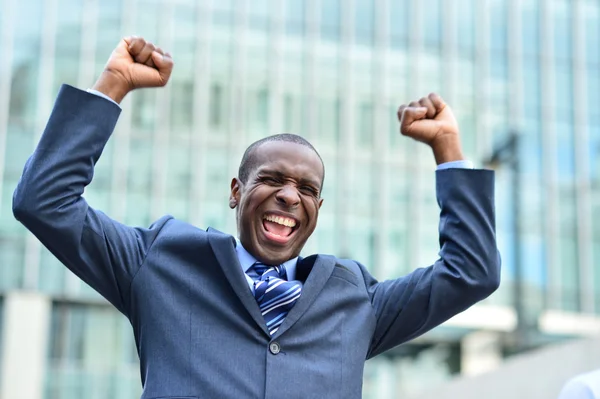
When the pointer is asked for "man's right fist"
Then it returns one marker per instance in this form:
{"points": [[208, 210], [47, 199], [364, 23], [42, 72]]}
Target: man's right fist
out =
{"points": [[134, 64]]}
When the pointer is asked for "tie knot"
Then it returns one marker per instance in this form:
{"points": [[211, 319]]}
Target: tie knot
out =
{"points": [[261, 269]]}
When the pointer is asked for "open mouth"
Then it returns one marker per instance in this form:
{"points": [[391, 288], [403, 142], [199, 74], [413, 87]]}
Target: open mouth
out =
{"points": [[279, 228]]}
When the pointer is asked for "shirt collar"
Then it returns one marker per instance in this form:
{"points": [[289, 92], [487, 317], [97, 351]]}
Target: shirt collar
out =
{"points": [[247, 260]]}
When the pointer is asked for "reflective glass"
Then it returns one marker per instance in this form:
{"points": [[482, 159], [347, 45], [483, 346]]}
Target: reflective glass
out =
{"points": [[561, 10], [329, 120], [331, 20], [564, 93], [12, 257], [569, 277], [143, 109], [530, 23], [531, 87], [498, 25], [86, 358], [295, 16], [259, 14], [399, 24], [566, 152], [51, 274], [361, 188], [109, 22], [593, 95], [182, 106], [364, 22], [530, 147], [68, 42], [364, 125], [25, 66], [432, 23], [597, 275], [466, 25], [592, 32]]}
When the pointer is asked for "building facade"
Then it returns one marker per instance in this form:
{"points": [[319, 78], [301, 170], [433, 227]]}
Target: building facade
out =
{"points": [[334, 71]]}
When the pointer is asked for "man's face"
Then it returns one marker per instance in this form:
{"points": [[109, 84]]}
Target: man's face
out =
{"points": [[278, 207]]}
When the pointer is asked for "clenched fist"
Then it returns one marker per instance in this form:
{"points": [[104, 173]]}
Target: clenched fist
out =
{"points": [[134, 63], [431, 121]]}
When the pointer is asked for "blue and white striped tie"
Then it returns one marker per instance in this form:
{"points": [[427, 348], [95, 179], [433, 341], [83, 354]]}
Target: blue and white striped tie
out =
{"points": [[275, 295]]}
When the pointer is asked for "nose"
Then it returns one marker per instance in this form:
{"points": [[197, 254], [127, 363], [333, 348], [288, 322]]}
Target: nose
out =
{"points": [[288, 196]]}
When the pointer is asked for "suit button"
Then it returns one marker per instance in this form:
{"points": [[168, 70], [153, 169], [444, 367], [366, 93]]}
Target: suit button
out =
{"points": [[274, 348]]}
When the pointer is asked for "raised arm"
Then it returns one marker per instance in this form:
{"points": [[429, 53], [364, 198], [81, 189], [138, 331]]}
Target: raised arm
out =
{"points": [[468, 269], [48, 199]]}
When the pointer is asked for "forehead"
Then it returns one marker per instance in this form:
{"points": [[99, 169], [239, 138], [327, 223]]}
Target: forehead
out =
{"points": [[292, 159]]}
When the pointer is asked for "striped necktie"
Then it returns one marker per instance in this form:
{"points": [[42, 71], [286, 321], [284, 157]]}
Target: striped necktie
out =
{"points": [[275, 295]]}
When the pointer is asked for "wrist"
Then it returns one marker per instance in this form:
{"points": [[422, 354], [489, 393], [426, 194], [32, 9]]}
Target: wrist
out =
{"points": [[447, 149], [113, 86]]}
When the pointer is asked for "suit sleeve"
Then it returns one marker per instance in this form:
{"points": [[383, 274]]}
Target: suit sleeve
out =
{"points": [[48, 198], [467, 271]]}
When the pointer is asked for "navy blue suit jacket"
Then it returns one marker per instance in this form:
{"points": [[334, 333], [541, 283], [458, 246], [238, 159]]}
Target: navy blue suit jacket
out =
{"points": [[198, 329]]}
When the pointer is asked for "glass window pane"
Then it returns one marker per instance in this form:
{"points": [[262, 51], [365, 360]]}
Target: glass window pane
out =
{"points": [[531, 87], [398, 22], [530, 27], [330, 20], [25, 66], [566, 152], [466, 25], [592, 32], [530, 148], [596, 249], [259, 15], [364, 125], [109, 23], [12, 258], [498, 25], [295, 15], [593, 95], [364, 22], [564, 93], [216, 105], [143, 109], [568, 263], [223, 13], [329, 120], [179, 178], [432, 23], [182, 105], [562, 29], [68, 40], [52, 274]]}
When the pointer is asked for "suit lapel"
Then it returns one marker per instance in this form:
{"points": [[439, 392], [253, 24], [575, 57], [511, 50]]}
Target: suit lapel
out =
{"points": [[318, 268], [223, 246]]}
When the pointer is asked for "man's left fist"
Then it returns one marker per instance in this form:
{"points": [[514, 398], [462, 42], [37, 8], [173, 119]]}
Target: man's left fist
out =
{"points": [[431, 121]]}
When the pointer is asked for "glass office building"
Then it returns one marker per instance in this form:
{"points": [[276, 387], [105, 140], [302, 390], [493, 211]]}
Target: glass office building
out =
{"points": [[334, 71]]}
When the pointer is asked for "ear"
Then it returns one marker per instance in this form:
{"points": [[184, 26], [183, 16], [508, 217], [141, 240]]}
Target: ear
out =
{"points": [[320, 202], [234, 196]]}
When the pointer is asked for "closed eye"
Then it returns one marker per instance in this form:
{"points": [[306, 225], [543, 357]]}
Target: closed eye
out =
{"points": [[270, 180], [310, 190]]}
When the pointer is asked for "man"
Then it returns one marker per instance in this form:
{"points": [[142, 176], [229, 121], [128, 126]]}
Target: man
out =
{"points": [[216, 317], [584, 386]]}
